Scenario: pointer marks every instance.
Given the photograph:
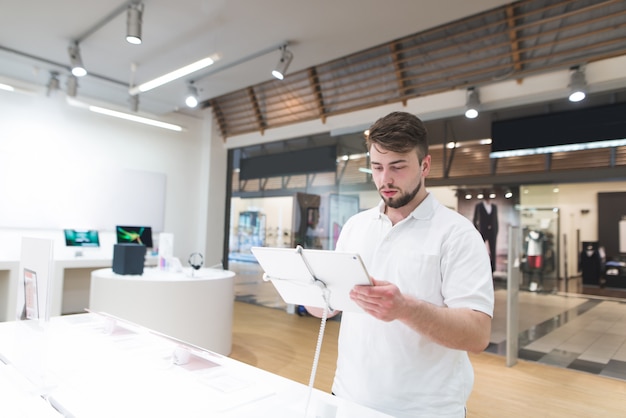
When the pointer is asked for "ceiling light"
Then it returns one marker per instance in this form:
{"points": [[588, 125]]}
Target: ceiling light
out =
{"points": [[123, 115], [135, 118], [192, 96], [176, 74], [6, 87], [53, 83], [76, 61], [72, 85], [508, 194], [473, 103], [577, 85], [609, 143], [492, 195], [133, 23], [285, 59]]}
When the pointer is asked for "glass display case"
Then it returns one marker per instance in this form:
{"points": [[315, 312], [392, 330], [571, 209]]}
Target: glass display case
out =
{"points": [[540, 246], [251, 230]]}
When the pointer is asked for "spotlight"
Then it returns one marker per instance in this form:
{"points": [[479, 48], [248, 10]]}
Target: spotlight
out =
{"points": [[577, 85], [192, 96], [472, 104], [72, 85], [53, 83], [285, 59], [133, 23], [76, 62], [508, 194]]}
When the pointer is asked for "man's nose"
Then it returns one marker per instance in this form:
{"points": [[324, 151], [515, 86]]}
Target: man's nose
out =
{"points": [[387, 178]]}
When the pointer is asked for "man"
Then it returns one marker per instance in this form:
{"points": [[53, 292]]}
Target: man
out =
{"points": [[432, 298]]}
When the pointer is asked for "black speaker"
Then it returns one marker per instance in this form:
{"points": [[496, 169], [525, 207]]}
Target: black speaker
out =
{"points": [[128, 258]]}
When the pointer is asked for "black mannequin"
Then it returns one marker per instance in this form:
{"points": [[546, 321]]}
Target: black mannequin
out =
{"points": [[486, 221]]}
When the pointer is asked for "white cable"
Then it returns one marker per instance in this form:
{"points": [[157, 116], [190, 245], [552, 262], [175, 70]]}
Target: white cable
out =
{"points": [[320, 338]]}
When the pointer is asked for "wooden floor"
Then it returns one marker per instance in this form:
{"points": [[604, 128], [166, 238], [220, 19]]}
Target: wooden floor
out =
{"points": [[285, 344]]}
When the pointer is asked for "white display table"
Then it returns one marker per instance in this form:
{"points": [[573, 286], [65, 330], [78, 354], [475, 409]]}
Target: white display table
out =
{"points": [[197, 309], [90, 366]]}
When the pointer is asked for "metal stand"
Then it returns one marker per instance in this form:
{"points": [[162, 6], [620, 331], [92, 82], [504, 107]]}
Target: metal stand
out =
{"points": [[512, 295]]}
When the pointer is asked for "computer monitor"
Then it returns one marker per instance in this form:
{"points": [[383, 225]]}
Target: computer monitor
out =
{"points": [[134, 234], [81, 238]]}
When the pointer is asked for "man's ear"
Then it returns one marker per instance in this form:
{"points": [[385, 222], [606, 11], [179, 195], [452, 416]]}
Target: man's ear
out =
{"points": [[426, 165]]}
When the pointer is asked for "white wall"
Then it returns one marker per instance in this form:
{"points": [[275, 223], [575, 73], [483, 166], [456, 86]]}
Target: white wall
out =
{"points": [[47, 136]]}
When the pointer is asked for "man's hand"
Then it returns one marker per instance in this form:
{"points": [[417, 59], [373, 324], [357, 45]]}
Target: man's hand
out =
{"points": [[383, 300], [460, 328]]}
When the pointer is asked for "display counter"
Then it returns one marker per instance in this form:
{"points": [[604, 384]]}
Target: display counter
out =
{"points": [[193, 306], [70, 284], [92, 365]]}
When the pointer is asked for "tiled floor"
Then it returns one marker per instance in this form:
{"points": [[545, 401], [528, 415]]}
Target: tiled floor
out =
{"points": [[581, 332]]}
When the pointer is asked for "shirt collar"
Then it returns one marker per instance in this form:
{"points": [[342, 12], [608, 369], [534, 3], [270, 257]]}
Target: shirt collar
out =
{"points": [[424, 210]]}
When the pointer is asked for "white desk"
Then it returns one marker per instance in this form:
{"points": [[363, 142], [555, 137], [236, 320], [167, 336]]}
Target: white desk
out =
{"points": [[197, 309], [92, 369], [70, 283], [8, 289]]}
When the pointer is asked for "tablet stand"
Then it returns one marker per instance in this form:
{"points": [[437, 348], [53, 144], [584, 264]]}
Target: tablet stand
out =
{"points": [[307, 276]]}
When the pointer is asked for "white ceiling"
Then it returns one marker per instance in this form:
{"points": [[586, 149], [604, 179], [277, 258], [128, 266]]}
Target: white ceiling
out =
{"points": [[35, 35]]}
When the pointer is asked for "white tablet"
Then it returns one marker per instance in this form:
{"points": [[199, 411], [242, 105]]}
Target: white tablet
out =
{"points": [[294, 271]]}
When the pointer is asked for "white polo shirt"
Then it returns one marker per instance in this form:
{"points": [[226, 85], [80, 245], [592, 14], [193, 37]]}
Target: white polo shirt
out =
{"points": [[436, 255]]}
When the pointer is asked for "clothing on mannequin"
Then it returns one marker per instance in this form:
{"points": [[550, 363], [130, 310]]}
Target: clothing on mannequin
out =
{"points": [[535, 243], [591, 262], [486, 221]]}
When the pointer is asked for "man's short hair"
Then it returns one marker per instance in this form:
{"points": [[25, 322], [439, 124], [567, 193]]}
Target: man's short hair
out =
{"points": [[399, 132]]}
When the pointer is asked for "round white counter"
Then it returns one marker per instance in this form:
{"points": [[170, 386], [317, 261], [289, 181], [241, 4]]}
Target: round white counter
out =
{"points": [[197, 308]]}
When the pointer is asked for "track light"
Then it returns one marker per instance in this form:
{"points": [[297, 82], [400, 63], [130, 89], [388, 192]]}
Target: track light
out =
{"points": [[53, 83], [285, 59], [72, 85], [133, 23], [76, 62], [473, 103], [577, 85], [192, 96]]}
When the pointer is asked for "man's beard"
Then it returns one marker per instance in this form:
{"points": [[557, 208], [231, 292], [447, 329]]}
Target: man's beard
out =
{"points": [[404, 199]]}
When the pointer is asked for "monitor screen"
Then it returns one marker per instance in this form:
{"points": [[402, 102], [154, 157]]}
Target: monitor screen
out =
{"points": [[83, 238], [134, 234]]}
